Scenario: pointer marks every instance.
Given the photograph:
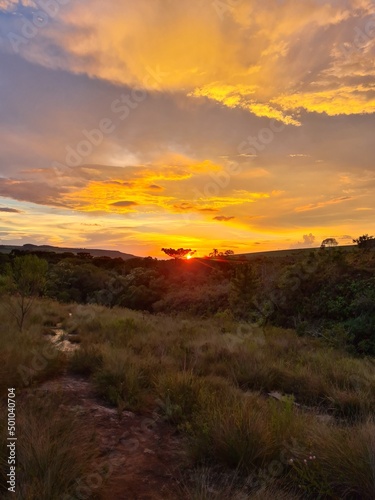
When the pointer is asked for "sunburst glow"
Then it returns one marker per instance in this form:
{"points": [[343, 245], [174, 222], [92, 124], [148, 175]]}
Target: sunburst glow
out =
{"points": [[245, 127]]}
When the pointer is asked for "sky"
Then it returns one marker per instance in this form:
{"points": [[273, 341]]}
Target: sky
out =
{"points": [[229, 124]]}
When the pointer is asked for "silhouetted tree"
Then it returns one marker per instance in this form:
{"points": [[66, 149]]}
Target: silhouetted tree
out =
{"points": [[180, 253], [215, 254], [228, 253], [329, 242], [365, 241]]}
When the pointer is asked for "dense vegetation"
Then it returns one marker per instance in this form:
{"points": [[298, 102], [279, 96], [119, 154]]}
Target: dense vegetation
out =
{"points": [[263, 412], [325, 293], [263, 366]]}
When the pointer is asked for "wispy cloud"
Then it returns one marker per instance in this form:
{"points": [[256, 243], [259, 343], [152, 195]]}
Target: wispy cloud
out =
{"points": [[222, 218], [10, 210], [213, 82], [322, 204]]}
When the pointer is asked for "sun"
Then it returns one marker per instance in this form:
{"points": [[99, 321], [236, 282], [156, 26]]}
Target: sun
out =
{"points": [[189, 257]]}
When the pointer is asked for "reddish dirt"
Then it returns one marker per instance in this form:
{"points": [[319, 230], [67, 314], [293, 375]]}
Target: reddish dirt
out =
{"points": [[141, 454]]}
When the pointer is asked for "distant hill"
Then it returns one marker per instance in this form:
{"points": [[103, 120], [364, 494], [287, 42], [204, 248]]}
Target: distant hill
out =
{"points": [[292, 251], [113, 254]]}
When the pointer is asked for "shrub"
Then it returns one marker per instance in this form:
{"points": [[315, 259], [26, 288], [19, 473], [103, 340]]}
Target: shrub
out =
{"points": [[121, 380], [230, 430]]}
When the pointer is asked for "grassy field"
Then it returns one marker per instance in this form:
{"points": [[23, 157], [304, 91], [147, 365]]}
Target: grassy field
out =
{"points": [[264, 412]]}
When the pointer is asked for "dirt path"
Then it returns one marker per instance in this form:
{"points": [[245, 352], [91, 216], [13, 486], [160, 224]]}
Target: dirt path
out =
{"points": [[139, 455]]}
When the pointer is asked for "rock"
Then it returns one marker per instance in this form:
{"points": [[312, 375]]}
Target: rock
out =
{"points": [[149, 452], [128, 414]]}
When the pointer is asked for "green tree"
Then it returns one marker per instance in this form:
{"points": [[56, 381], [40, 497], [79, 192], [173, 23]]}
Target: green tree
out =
{"points": [[244, 285], [24, 281]]}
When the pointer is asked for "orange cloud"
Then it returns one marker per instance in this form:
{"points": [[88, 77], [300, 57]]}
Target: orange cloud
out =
{"points": [[322, 204], [256, 56]]}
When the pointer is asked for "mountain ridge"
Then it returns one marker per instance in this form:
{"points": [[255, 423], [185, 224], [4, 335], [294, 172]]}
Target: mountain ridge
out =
{"points": [[95, 252]]}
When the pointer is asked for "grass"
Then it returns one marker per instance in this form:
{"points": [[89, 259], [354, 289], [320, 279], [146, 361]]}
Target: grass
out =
{"points": [[343, 463], [54, 450], [26, 358], [208, 483], [86, 360], [211, 381], [121, 380]]}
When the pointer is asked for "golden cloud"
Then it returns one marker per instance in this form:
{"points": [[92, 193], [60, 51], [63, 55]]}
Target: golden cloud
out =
{"points": [[254, 56], [322, 204], [344, 101]]}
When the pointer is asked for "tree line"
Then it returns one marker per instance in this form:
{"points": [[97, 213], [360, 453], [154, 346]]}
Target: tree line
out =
{"points": [[329, 294]]}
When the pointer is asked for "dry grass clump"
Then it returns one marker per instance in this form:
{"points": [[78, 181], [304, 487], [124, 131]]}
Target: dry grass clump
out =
{"points": [[340, 463], [86, 360], [315, 376], [225, 425], [209, 483], [122, 379], [54, 450], [26, 357]]}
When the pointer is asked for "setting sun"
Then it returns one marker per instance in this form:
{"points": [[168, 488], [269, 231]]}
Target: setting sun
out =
{"points": [[236, 136], [176, 128]]}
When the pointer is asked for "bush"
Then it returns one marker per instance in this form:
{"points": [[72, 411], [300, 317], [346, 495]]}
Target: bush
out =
{"points": [[121, 380]]}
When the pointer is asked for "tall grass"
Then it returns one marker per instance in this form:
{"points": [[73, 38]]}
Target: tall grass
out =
{"points": [[341, 462], [208, 483], [54, 450], [122, 380], [212, 383], [26, 357]]}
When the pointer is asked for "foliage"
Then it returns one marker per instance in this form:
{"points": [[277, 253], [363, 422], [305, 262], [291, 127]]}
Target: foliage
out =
{"points": [[215, 254], [329, 242], [246, 401], [316, 292], [244, 285], [365, 241], [24, 281]]}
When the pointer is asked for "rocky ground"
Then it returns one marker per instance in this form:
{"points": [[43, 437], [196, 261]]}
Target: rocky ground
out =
{"points": [[140, 456]]}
